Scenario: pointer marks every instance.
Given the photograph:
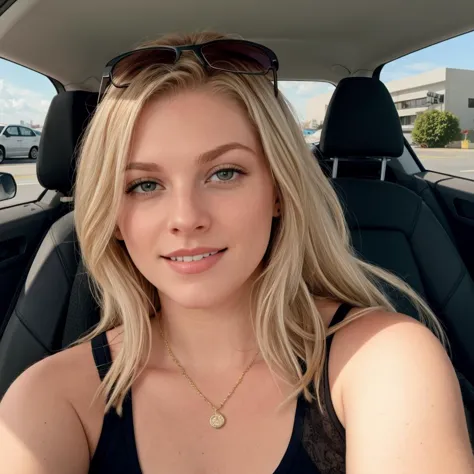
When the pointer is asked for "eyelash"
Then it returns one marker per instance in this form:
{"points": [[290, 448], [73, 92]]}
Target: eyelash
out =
{"points": [[132, 186]]}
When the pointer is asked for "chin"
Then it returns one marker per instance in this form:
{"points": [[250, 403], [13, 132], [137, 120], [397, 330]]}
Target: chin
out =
{"points": [[200, 295], [193, 298]]}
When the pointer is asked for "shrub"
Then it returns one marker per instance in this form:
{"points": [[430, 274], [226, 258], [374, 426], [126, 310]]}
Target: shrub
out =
{"points": [[435, 129]]}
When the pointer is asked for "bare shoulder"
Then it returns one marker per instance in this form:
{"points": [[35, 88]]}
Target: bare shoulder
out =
{"points": [[40, 428], [376, 346], [400, 396], [377, 327], [380, 338]]}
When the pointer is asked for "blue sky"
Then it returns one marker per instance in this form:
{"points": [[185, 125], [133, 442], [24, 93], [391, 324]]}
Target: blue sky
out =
{"points": [[26, 95]]}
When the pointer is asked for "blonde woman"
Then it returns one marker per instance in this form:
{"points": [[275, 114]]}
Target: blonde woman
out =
{"points": [[239, 332]]}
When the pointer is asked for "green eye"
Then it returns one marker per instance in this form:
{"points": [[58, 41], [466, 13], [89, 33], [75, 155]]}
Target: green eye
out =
{"points": [[143, 187], [147, 187], [225, 175]]}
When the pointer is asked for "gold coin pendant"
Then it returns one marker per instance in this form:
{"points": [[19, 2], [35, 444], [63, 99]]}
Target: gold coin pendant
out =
{"points": [[217, 420]]}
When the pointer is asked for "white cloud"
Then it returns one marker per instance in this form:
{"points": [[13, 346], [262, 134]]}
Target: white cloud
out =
{"points": [[394, 75], [18, 104], [420, 67], [305, 88], [401, 71], [299, 92]]}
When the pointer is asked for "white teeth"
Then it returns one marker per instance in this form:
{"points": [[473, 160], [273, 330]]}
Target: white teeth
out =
{"points": [[193, 258]]}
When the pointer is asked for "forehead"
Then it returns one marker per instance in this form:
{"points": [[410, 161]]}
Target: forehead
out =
{"points": [[190, 123]]}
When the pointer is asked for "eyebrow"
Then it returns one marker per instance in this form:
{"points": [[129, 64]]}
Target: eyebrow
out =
{"points": [[203, 158]]}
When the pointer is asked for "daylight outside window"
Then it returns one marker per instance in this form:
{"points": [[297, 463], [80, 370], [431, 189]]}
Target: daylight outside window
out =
{"points": [[309, 100], [431, 86], [433, 91], [25, 97]]}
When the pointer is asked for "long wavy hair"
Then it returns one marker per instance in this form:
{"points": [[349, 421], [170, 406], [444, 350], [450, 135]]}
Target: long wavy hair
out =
{"points": [[309, 255]]}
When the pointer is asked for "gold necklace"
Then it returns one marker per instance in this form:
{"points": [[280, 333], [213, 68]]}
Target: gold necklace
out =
{"points": [[217, 419]]}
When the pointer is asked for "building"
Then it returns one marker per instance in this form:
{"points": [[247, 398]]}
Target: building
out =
{"points": [[443, 89], [316, 108]]}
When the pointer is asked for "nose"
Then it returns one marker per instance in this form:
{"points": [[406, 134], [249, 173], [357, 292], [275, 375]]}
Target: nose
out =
{"points": [[187, 213]]}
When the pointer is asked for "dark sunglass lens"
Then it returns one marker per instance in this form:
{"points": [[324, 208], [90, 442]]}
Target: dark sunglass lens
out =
{"points": [[236, 56], [128, 67]]}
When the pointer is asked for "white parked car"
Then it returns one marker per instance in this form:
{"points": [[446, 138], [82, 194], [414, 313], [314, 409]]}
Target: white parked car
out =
{"points": [[18, 141]]}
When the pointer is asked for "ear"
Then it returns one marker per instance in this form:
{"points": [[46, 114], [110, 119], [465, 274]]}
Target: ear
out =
{"points": [[118, 234]]}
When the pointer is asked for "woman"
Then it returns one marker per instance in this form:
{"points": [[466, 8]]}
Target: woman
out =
{"points": [[221, 259]]}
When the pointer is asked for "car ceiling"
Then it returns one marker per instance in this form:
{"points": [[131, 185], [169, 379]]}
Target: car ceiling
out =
{"points": [[71, 41]]}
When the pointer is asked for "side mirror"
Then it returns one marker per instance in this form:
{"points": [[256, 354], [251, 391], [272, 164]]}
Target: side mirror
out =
{"points": [[6, 134], [7, 186]]}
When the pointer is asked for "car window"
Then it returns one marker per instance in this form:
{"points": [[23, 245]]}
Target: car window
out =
{"points": [[433, 91], [25, 96], [13, 131], [26, 132], [309, 100]]}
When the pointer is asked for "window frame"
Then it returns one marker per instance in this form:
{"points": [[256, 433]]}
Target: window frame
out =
{"points": [[30, 134], [13, 134]]}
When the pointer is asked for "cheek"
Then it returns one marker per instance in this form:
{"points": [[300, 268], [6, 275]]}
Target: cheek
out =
{"points": [[137, 228], [252, 216]]}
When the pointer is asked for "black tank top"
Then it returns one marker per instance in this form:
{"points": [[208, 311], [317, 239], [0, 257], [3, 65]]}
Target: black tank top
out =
{"points": [[317, 444]]}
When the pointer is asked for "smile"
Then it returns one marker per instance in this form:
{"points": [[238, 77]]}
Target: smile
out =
{"points": [[193, 258], [192, 264]]}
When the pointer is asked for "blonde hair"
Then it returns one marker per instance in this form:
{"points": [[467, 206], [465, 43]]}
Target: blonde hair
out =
{"points": [[309, 254]]}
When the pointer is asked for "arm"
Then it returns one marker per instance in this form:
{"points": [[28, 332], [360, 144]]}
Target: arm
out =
{"points": [[40, 432], [402, 402]]}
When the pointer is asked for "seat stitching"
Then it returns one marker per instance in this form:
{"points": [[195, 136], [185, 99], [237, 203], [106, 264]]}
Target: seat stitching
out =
{"points": [[60, 257], [456, 285], [415, 219], [35, 337]]}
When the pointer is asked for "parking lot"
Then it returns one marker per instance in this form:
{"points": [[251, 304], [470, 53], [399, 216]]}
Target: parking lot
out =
{"points": [[450, 161]]}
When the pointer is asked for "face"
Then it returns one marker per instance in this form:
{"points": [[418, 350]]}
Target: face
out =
{"points": [[199, 199]]}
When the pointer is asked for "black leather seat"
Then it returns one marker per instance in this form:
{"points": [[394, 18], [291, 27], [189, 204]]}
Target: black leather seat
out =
{"points": [[37, 325], [391, 225], [394, 227]]}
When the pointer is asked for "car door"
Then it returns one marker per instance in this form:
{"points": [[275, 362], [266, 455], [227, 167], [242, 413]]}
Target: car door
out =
{"points": [[28, 140], [12, 142]]}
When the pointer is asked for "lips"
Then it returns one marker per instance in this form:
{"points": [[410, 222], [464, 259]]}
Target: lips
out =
{"points": [[192, 258], [197, 251], [195, 263]]}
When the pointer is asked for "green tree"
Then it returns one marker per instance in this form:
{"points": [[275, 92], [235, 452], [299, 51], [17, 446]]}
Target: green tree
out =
{"points": [[435, 129]]}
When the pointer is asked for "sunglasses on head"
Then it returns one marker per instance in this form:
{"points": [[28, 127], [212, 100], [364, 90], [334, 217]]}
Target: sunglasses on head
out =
{"points": [[229, 55]]}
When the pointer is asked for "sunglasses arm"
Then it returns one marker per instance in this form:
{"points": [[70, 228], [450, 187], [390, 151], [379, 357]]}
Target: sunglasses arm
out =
{"points": [[104, 82], [275, 82]]}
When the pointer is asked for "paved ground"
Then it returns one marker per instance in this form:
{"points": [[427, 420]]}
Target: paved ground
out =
{"points": [[450, 161], [24, 172]]}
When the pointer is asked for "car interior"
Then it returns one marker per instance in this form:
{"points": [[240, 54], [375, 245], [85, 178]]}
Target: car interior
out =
{"points": [[416, 223]]}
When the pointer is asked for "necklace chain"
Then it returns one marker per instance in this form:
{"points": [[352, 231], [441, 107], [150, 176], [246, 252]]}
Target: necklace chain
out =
{"points": [[217, 418]]}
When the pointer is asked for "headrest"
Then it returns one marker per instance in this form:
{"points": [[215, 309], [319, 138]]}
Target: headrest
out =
{"points": [[67, 118], [361, 121]]}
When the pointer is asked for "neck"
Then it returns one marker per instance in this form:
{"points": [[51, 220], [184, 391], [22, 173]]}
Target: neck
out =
{"points": [[220, 339]]}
